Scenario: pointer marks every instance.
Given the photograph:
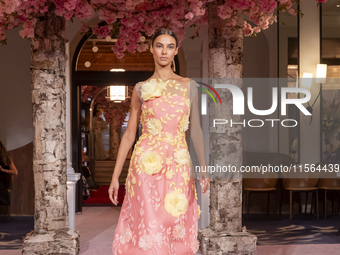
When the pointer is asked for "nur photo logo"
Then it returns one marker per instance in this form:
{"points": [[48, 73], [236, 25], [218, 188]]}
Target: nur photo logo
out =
{"points": [[238, 99]]}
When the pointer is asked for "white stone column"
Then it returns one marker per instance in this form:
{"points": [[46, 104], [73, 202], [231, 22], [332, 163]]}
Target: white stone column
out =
{"points": [[72, 177]]}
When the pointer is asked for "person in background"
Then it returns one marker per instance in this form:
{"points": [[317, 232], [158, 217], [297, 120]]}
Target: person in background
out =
{"points": [[327, 155], [6, 167], [337, 137], [336, 149], [294, 149], [85, 171], [98, 125]]}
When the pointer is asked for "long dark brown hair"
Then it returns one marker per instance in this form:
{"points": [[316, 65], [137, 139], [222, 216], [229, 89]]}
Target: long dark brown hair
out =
{"points": [[164, 32], [4, 158]]}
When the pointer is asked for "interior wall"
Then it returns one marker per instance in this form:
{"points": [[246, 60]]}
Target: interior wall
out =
{"points": [[309, 58], [260, 64], [16, 129], [286, 31], [22, 196]]}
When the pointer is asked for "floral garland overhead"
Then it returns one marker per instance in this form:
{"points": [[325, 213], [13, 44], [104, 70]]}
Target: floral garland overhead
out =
{"points": [[132, 21]]}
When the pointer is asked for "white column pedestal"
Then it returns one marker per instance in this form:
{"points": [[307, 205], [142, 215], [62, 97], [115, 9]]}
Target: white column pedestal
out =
{"points": [[72, 179]]}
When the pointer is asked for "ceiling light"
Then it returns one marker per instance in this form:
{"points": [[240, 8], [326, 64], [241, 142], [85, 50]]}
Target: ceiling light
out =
{"points": [[117, 93], [117, 70], [94, 48], [87, 64], [108, 38]]}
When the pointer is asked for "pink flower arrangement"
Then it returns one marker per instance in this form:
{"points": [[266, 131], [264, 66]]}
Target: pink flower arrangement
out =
{"points": [[139, 17], [102, 32]]}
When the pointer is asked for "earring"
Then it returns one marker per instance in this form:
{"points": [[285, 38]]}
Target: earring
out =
{"points": [[173, 66]]}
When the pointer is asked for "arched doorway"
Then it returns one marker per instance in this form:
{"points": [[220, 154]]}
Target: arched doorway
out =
{"points": [[91, 64]]}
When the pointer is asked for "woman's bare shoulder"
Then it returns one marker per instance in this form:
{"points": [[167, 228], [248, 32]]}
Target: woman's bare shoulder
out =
{"points": [[182, 79], [179, 79], [187, 82]]}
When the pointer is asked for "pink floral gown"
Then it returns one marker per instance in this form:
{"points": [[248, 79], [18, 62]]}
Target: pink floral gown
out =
{"points": [[159, 215]]}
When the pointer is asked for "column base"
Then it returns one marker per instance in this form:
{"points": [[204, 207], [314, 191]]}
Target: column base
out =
{"points": [[223, 242], [58, 242]]}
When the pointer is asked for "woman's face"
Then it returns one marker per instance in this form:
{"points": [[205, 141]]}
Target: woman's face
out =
{"points": [[98, 113], [164, 50]]}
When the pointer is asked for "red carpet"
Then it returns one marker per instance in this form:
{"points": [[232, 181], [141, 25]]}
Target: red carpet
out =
{"points": [[101, 196]]}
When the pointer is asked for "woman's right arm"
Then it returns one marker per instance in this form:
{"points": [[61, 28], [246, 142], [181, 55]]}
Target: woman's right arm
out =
{"points": [[12, 169], [129, 135]]}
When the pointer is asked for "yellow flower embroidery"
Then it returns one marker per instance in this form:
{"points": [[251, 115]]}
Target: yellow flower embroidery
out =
{"points": [[168, 161], [151, 162], [176, 203], [139, 150], [168, 138], [150, 111], [182, 157], [185, 177], [170, 174], [183, 125], [154, 126], [198, 210], [152, 89]]}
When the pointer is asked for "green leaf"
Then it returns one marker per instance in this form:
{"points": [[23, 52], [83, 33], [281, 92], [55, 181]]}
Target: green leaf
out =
{"points": [[3, 42]]}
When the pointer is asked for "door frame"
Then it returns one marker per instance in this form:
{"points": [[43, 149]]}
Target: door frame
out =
{"points": [[94, 78]]}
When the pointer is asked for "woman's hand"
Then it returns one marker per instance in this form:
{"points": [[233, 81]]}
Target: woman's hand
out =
{"points": [[113, 191], [205, 183], [2, 170]]}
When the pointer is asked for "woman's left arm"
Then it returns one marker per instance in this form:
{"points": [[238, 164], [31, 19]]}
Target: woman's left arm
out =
{"points": [[12, 169], [197, 137]]}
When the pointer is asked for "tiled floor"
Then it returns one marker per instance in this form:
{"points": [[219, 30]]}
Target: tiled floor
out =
{"points": [[96, 226]]}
